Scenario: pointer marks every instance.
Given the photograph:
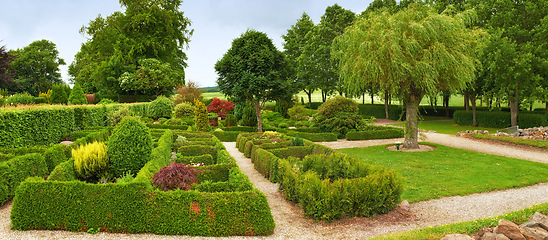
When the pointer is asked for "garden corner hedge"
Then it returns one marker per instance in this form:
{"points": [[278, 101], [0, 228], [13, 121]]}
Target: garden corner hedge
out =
{"points": [[222, 204], [326, 183]]}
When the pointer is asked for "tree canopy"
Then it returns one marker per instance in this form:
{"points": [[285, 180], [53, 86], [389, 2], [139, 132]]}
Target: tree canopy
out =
{"points": [[147, 29], [6, 71], [414, 51], [254, 70], [37, 67]]}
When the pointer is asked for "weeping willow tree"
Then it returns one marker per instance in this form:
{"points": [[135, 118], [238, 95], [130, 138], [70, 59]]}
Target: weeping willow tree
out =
{"points": [[414, 52]]}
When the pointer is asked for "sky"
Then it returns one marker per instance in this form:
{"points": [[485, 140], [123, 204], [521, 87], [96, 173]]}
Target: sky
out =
{"points": [[215, 22]]}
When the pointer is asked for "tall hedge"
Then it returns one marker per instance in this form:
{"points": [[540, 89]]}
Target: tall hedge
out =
{"points": [[16, 170], [499, 119], [129, 146]]}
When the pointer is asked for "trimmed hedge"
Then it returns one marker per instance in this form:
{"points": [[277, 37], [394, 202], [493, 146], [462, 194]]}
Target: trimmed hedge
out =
{"points": [[206, 159], [16, 170], [498, 119], [314, 137], [136, 207], [376, 134], [226, 136], [330, 186]]}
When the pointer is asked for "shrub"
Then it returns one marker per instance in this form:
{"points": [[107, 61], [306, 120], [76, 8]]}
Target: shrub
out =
{"points": [[174, 121], [161, 107], [21, 167], [249, 118], [59, 94], [188, 93], [46, 95], [106, 101], [230, 120], [115, 117], [297, 141], [77, 95], [201, 119], [184, 109], [226, 136], [56, 155], [299, 113], [129, 146], [175, 176], [91, 160], [40, 100], [340, 124], [220, 107], [63, 172], [334, 106], [140, 109], [375, 134], [19, 99]]}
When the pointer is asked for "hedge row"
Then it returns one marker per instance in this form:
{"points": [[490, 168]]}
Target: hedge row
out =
{"points": [[227, 136], [375, 134], [16, 170], [136, 207], [328, 186], [314, 137], [498, 119]]}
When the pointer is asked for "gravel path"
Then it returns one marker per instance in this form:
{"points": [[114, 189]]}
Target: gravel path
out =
{"points": [[291, 224]]}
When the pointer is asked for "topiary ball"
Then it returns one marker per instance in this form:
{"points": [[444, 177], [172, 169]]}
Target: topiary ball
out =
{"points": [[161, 107], [129, 146], [184, 109], [334, 106]]}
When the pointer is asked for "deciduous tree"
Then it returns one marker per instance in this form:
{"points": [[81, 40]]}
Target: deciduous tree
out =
{"points": [[6, 71], [253, 69], [415, 52]]}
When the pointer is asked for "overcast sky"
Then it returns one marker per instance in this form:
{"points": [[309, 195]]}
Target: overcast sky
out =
{"points": [[215, 22]]}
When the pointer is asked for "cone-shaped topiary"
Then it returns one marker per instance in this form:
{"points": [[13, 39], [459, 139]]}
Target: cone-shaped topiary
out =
{"points": [[59, 94], [202, 120], [77, 95], [129, 146], [162, 107]]}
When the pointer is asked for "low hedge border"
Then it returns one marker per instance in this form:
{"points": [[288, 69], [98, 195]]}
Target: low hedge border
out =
{"points": [[227, 136], [136, 207], [498, 119], [374, 191], [375, 134], [314, 137]]}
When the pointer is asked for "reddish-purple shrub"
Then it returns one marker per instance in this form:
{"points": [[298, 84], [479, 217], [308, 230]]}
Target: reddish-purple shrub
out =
{"points": [[175, 176], [220, 107]]}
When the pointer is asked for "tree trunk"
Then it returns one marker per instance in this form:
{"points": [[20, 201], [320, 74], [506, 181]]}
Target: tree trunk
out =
{"points": [[466, 102], [386, 103], [514, 108], [546, 107], [258, 114], [324, 96], [473, 101], [363, 98], [446, 97], [411, 122], [309, 99]]}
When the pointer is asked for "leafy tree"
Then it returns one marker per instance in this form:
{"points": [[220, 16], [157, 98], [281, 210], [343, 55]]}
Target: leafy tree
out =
{"points": [[6, 71], [147, 29], [77, 95], [415, 52], [253, 69], [152, 77], [294, 42], [188, 92], [37, 67], [316, 56]]}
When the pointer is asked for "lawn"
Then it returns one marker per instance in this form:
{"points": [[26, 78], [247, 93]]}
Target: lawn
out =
{"points": [[449, 171], [447, 127]]}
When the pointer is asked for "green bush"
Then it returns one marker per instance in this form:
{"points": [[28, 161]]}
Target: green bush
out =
{"points": [[59, 94], [184, 109], [142, 110], [249, 117], [197, 150], [205, 159], [378, 111], [201, 119], [55, 155], [297, 141], [341, 124], [299, 113], [105, 101], [334, 106], [116, 116], [63, 172], [19, 168], [129, 146], [40, 100], [19, 99], [230, 120], [77, 95], [161, 107], [375, 134]]}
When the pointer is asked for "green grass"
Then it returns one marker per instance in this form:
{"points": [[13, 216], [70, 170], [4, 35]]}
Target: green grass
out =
{"points": [[449, 171], [470, 227], [514, 140], [447, 127]]}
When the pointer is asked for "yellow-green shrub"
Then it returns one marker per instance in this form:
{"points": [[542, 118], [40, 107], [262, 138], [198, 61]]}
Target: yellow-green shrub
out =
{"points": [[91, 160]]}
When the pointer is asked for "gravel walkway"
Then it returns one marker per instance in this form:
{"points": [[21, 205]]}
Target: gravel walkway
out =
{"points": [[291, 224]]}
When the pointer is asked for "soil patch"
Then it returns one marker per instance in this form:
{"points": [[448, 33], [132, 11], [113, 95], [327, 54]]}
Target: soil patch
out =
{"points": [[422, 148]]}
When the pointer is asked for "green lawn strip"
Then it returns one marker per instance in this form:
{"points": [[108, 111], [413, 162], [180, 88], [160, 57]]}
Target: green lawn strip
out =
{"points": [[447, 127], [468, 228], [449, 171], [515, 140]]}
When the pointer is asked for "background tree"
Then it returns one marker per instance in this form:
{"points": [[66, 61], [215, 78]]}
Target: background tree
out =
{"points": [[253, 69], [37, 67], [152, 77], [188, 92], [146, 29], [316, 56], [6, 71], [294, 42], [415, 51]]}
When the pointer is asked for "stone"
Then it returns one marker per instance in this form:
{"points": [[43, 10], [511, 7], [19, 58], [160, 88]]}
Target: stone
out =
{"points": [[534, 233], [68, 143], [405, 205], [493, 236], [541, 219], [509, 229], [457, 237]]}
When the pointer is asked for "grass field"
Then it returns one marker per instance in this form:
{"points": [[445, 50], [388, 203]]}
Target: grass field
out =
{"points": [[455, 100], [447, 127], [449, 171]]}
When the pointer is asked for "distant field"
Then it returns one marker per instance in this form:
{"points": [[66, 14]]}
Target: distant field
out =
{"points": [[455, 100]]}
